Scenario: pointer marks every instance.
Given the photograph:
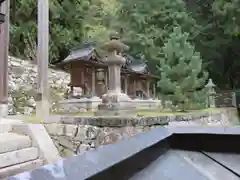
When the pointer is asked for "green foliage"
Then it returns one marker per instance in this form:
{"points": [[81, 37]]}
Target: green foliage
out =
{"points": [[66, 27], [219, 38], [181, 70], [100, 20], [229, 13], [146, 25]]}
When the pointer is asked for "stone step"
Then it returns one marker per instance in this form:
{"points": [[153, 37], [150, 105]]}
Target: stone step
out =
{"points": [[5, 128], [19, 168], [12, 142], [17, 157]]}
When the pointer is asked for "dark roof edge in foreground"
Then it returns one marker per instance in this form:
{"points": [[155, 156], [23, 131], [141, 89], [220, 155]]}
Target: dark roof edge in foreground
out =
{"points": [[99, 160], [206, 130], [102, 158]]}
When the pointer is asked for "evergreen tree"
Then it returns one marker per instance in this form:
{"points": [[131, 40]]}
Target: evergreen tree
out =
{"points": [[181, 70], [147, 24]]}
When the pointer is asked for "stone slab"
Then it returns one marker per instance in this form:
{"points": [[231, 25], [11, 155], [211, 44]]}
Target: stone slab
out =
{"points": [[16, 157], [40, 139], [3, 111], [13, 170], [7, 120], [5, 127], [12, 142], [55, 129]]}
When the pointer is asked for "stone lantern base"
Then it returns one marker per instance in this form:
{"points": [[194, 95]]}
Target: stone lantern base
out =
{"points": [[115, 104]]}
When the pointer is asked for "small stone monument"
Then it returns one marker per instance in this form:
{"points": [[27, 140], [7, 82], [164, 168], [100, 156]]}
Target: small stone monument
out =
{"points": [[211, 93], [114, 101]]}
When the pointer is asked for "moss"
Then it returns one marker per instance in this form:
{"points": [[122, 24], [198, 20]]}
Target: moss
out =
{"points": [[171, 113], [34, 120]]}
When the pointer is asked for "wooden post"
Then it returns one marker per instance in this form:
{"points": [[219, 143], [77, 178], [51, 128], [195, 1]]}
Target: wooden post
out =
{"points": [[148, 88], [106, 80], [93, 81], [126, 84], [83, 82], [42, 103], [4, 45], [134, 87], [154, 91]]}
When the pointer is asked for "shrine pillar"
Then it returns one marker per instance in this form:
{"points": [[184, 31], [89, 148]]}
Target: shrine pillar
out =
{"points": [[148, 88], [93, 82], [134, 87], [154, 90], [4, 45], [126, 84], [106, 80], [83, 82]]}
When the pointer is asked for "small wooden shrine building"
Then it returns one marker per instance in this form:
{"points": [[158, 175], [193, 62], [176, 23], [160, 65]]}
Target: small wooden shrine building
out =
{"points": [[90, 73]]}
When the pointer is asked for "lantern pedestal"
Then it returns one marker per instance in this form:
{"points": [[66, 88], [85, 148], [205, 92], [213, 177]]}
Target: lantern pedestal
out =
{"points": [[114, 104]]}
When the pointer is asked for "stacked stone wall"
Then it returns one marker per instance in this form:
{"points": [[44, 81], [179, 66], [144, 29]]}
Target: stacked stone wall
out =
{"points": [[73, 135]]}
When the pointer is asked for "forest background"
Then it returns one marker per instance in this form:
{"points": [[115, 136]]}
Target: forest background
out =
{"points": [[212, 27]]}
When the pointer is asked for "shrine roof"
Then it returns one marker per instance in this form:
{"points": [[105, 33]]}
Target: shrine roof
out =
{"points": [[83, 53], [136, 65], [87, 51]]}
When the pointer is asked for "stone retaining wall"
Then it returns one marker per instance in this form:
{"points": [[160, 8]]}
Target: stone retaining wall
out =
{"points": [[74, 135], [74, 139], [22, 76]]}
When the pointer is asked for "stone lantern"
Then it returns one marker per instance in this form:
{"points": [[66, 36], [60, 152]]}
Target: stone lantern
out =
{"points": [[210, 86], [114, 100]]}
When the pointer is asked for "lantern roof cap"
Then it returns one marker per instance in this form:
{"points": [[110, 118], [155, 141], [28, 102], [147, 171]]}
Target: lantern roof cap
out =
{"points": [[210, 84]]}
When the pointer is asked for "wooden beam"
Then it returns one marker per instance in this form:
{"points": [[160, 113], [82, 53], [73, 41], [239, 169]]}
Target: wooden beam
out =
{"points": [[4, 46], [42, 60]]}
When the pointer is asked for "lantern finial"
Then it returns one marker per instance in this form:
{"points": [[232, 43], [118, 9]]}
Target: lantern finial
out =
{"points": [[210, 84]]}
